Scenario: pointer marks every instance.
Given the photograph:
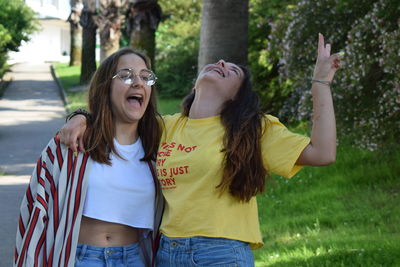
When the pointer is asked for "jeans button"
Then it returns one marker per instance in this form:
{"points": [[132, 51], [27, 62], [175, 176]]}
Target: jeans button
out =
{"points": [[174, 244]]}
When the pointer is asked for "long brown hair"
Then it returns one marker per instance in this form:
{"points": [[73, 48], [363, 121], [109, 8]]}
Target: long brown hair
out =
{"points": [[101, 131], [244, 171]]}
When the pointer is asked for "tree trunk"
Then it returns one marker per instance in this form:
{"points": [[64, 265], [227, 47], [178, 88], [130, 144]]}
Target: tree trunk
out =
{"points": [[109, 45], [109, 21], [224, 31], [144, 39], [76, 33], [88, 66], [76, 46], [143, 17]]}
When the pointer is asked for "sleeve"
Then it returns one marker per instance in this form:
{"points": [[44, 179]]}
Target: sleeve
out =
{"points": [[33, 218], [281, 148]]}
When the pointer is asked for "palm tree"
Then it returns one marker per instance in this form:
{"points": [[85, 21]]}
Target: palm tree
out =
{"points": [[76, 32], [224, 31], [109, 20], [143, 17], [88, 66]]}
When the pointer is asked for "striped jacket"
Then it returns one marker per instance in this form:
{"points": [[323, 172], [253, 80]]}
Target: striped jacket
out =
{"points": [[51, 210]]}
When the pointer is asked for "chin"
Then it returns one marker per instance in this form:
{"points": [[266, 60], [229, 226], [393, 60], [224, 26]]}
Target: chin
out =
{"points": [[206, 78]]}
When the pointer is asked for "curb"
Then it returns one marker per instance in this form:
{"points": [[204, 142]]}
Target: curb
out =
{"points": [[4, 82], [61, 89]]}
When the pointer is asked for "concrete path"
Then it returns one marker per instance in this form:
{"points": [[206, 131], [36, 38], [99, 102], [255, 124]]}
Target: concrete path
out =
{"points": [[31, 111]]}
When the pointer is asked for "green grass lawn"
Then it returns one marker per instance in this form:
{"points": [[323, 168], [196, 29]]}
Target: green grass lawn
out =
{"points": [[69, 78], [346, 214]]}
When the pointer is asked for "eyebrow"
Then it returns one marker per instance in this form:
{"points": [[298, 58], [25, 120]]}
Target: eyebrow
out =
{"points": [[130, 69]]}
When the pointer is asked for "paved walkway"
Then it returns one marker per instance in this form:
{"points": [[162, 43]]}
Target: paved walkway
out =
{"points": [[31, 111]]}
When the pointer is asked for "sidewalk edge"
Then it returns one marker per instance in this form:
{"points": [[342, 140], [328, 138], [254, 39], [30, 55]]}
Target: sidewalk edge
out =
{"points": [[61, 89]]}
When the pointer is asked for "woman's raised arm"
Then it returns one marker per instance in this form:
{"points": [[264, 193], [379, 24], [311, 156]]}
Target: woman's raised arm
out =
{"points": [[322, 148]]}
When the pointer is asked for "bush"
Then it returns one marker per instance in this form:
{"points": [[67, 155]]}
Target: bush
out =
{"points": [[263, 61], [17, 22], [5, 37], [177, 47], [366, 89]]}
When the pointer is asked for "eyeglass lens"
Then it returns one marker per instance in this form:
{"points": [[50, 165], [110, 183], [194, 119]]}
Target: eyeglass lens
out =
{"points": [[128, 76]]}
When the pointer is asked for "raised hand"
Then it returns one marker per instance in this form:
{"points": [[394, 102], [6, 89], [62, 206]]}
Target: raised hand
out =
{"points": [[327, 64]]}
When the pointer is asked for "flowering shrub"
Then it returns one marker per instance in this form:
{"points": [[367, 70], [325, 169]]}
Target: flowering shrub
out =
{"points": [[263, 62], [366, 90]]}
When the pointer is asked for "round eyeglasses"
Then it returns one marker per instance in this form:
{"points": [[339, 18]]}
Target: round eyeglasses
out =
{"points": [[128, 76]]}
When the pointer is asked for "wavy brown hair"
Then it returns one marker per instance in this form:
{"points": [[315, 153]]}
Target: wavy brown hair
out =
{"points": [[244, 172], [101, 130]]}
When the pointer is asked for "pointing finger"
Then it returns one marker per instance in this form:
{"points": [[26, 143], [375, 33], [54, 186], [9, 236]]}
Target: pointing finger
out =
{"points": [[320, 44]]}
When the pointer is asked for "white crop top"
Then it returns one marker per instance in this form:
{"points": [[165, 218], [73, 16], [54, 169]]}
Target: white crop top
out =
{"points": [[124, 192]]}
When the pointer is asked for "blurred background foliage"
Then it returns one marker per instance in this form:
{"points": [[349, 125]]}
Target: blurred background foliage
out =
{"points": [[366, 90], [281, 55], [177, 45]]}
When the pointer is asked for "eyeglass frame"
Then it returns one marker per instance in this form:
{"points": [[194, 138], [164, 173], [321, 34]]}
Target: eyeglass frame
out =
{"points": [[135, 75]]}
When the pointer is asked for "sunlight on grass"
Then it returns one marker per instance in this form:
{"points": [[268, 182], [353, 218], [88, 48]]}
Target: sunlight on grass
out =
{"points": [[345, 214], [69, 76]]}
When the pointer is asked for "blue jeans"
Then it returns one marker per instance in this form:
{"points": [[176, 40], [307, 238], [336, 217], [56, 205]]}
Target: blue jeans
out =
{"points": [[203, 251], [91, 256]]}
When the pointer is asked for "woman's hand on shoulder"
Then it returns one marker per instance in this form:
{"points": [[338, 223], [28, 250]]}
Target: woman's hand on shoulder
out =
{"points": [[71, 134]]}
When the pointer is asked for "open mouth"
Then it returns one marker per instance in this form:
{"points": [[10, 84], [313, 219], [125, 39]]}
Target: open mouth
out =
{"points": [[217, 70], [135, 97]]}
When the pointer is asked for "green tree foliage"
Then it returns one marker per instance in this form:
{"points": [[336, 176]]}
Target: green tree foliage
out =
{"points": [[366, 89], [177, 46], [5, 37], [17, 22], [264, 59]]}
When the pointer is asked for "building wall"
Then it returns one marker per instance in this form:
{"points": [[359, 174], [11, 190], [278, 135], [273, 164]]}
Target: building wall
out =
{"points": [[50, 8], [52, 41]]}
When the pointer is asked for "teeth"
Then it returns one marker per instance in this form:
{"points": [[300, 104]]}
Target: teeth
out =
{"points": [[219, 71], [137, 96]]}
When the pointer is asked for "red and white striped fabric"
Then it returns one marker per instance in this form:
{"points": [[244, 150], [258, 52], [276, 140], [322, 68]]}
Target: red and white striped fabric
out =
{"points": [[51, 209]]}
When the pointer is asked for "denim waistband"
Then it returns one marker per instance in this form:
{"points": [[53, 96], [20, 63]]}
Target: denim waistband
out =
{"points": [[107, 252], [198, 242]]}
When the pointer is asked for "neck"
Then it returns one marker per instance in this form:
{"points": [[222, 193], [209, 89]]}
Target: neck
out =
{"points": [[206, 104], [126, 133]]}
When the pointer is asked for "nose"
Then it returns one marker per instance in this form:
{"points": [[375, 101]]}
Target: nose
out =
{"points": [[222, 63], [136, 81]]}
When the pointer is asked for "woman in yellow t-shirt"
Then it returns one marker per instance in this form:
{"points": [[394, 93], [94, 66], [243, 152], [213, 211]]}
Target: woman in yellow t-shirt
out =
{"points": [[213, 159]]}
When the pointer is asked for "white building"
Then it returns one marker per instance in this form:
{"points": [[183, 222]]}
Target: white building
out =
{"points": [[52, 41]]}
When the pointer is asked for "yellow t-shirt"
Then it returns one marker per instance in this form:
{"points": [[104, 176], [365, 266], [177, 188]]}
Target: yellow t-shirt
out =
{"points": [[190, 166]]}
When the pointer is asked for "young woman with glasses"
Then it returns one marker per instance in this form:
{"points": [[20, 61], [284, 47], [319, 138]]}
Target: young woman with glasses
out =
{"points": [[102, 207]]}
